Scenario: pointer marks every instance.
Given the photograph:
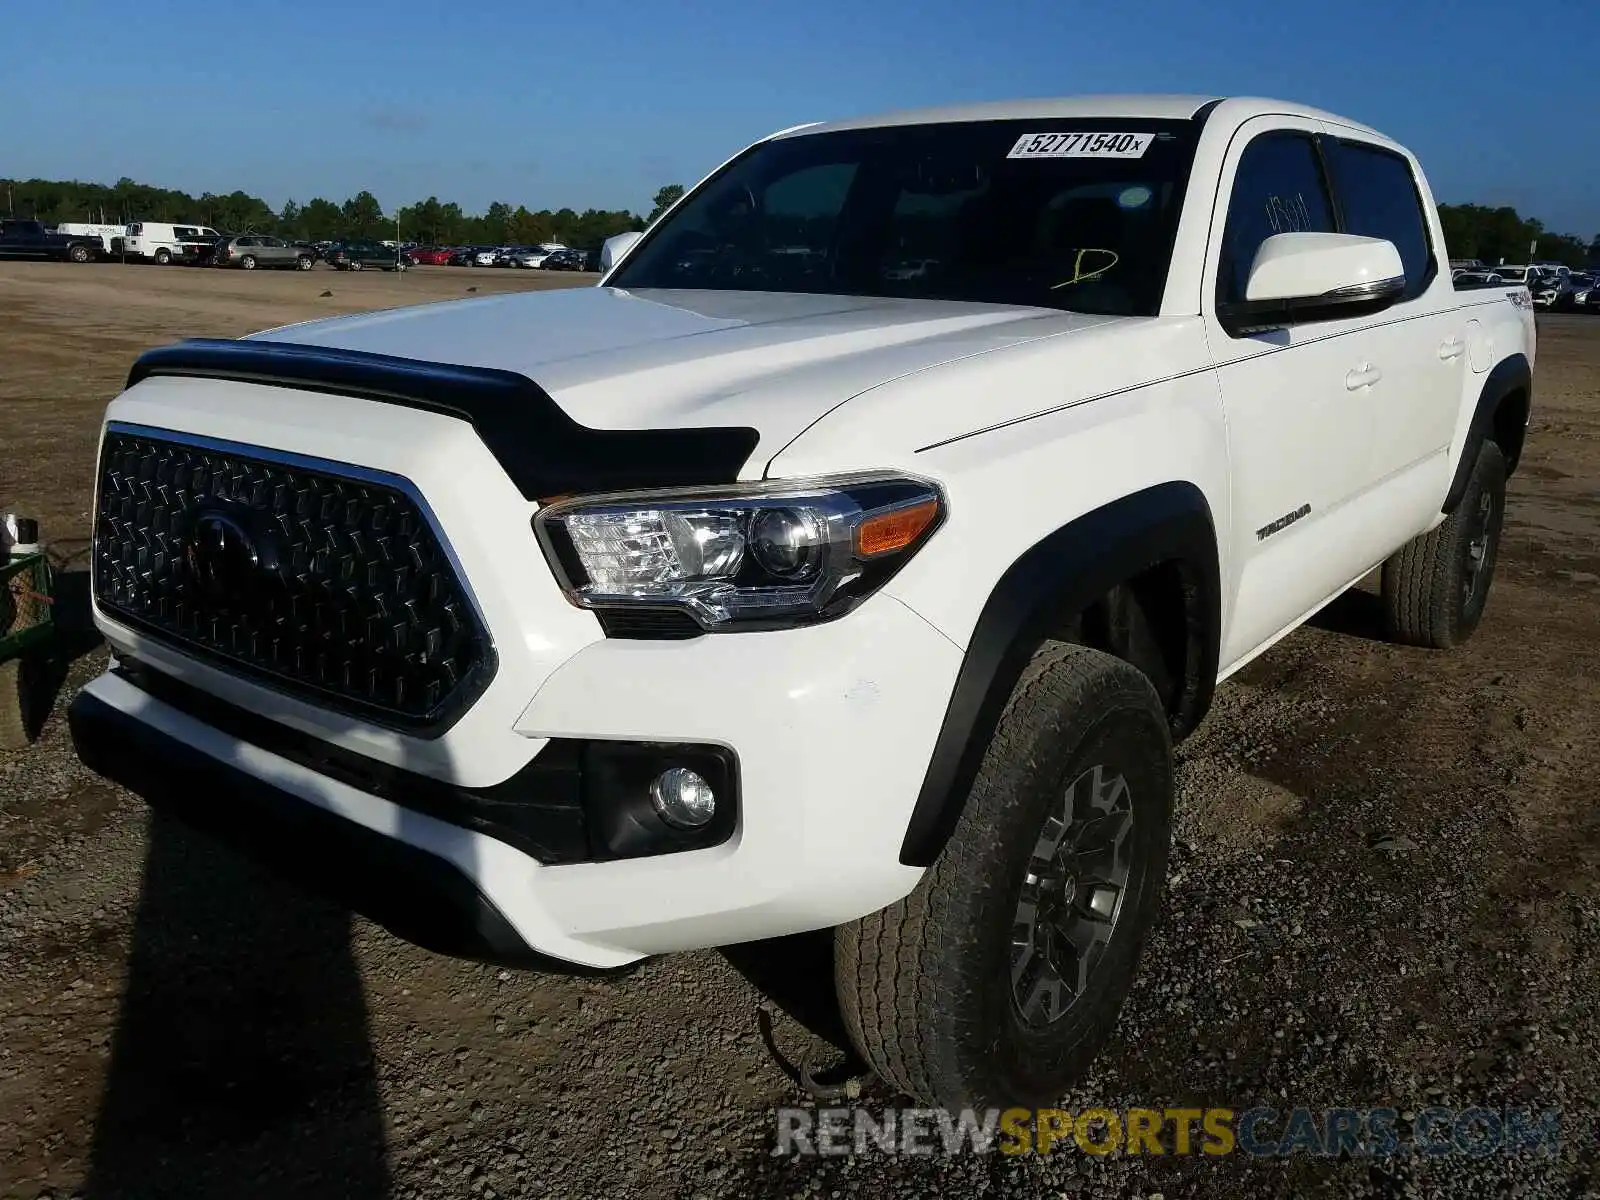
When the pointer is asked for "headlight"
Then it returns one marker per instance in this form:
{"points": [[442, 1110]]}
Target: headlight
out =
{"points": [[757, 555]]}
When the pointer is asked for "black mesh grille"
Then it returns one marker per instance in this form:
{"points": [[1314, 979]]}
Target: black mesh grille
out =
{"points": [[333, 588]]}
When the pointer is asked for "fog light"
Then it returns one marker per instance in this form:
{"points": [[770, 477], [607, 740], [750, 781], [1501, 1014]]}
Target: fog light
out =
{"points": [[683, 799]]}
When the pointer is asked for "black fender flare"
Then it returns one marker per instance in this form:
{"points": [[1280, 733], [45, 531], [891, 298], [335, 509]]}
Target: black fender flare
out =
{"points": [[1064, 573], [1511, 374]]}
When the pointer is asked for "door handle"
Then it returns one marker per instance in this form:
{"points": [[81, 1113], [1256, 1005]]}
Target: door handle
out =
{"points": [[1363, 376], [1451, 348]]}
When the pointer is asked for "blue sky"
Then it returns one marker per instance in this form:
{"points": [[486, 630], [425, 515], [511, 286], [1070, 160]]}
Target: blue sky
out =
{"points": [[598, 103]]}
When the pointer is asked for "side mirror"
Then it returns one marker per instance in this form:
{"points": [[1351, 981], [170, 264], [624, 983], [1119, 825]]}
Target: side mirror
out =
{"points": [[615, 247], [1300, 277]]}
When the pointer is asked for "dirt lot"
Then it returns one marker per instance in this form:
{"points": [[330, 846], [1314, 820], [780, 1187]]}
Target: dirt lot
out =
{"points": [[1386, 893]]}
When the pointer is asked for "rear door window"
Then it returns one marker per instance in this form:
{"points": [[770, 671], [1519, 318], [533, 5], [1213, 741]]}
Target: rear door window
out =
{"points": [[1378, 197], [1278, 188]]}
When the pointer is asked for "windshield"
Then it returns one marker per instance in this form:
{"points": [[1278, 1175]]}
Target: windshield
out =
{"points": [[1067, 214]]}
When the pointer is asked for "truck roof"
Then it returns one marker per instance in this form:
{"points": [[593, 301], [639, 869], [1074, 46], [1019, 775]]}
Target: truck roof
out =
{"points": [[1154, 107]]}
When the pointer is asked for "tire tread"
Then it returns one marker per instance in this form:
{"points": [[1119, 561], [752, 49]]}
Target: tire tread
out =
{"points": [[1421, 582], [885, 961]]}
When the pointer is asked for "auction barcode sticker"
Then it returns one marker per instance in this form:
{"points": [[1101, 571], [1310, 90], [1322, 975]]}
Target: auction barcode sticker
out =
{"points": [[1082, 145]]}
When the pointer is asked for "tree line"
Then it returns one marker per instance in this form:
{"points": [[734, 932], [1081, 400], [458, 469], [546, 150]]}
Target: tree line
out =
{"points": [[431, 221], [1495, 235], [1470, 230]]}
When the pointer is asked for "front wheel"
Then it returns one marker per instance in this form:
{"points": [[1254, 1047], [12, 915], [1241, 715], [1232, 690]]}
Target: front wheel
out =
{"points": [[163, 257], [995, 982], [1435, 587]]}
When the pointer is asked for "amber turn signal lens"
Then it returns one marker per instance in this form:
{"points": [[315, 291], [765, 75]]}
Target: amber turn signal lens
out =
{"points": [[895, 530]]}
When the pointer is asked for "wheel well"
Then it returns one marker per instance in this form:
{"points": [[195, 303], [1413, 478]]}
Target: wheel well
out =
{"points": [[1510, 426], [1137, 578], [1148, 621]]}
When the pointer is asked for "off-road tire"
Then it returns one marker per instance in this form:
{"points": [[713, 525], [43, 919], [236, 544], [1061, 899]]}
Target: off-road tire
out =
{"points": [[14, 706], [925, 986], [1426, 600], [163, 257]]}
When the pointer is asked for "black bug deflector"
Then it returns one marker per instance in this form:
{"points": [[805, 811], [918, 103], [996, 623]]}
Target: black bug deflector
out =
{"points": [[542, 449]]}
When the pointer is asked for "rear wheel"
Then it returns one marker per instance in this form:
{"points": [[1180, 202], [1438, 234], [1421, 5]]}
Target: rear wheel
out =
{"points": [[998, 978], [248, 262], [354, 265], [79, 254], [163, 256], [303, 262], [1435, 587]]}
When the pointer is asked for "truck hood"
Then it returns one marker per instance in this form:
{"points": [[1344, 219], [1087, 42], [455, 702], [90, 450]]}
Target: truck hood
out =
{"points": [[774, 362]]}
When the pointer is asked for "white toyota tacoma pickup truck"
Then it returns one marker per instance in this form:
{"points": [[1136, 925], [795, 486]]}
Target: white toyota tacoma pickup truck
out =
{"points": [[849, 558]]}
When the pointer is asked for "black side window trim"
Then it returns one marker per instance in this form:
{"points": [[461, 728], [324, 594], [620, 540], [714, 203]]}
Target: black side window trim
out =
{"points": [[1330, 168], [1224, 262]]}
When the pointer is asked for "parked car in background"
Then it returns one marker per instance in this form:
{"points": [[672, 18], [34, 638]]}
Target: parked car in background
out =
{"points": [[35, 239], [1558, 291], [486, 256], [563, 260], [526, 257], [109, 236], [462, 256], [162, 242], [532, 256], [591, 259], [252, 250], [355, 255], [432, 256], [197, 246], [1580, 285]]}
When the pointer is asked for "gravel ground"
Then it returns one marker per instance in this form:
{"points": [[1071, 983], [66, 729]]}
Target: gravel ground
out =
{"points": [[1384, 893]]}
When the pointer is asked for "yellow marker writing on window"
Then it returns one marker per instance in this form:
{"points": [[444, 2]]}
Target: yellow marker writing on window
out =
{"points": [[1079, 274]]}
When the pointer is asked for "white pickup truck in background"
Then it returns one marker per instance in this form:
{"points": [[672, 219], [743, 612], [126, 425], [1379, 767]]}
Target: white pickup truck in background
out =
{"points": [[849, 558], [109, 236]]}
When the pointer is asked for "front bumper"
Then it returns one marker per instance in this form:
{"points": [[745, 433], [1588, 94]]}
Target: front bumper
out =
{"points": [[416, 893], [832, 726]]}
